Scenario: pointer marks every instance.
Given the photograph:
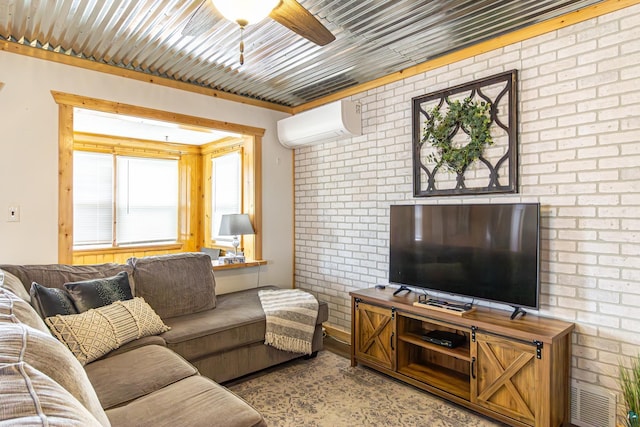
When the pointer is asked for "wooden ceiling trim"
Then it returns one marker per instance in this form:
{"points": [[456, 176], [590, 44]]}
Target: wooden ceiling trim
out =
{"points": [[607, 6], [135, 75]]}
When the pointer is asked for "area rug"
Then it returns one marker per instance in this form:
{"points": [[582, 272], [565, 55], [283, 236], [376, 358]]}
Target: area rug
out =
{"points": [[328, 392]]}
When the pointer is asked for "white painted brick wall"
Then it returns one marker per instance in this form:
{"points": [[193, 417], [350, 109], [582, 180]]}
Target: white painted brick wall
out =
{"points": [[579, 102]]}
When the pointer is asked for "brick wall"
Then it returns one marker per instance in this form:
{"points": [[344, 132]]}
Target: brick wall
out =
{"points": [[579, 136]]}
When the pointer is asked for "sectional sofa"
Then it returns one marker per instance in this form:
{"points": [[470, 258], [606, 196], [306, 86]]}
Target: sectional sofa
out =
{"points": [[173, 340]]}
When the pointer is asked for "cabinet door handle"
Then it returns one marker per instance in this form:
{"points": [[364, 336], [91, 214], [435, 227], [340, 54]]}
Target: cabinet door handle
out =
{"points": [[391, 341], [473, 368]]}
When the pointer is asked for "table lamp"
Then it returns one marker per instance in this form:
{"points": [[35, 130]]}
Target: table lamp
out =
{"points": [[235, 225]]}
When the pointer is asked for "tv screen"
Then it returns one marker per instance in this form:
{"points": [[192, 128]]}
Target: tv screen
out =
{"points": [[484, 251]]}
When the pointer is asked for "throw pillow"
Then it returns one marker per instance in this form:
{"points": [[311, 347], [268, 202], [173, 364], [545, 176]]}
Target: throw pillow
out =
{"points": [[51, 301], [16, 310], [99, 292], [20, 343], [15, 285], [96, 332], [30, 398]]}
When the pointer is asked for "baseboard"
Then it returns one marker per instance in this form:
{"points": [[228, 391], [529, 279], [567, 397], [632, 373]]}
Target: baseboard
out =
{"points": [[337, 333]]}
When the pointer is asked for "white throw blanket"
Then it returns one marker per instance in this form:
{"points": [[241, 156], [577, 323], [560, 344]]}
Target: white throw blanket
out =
{"points": [[291, 319]]}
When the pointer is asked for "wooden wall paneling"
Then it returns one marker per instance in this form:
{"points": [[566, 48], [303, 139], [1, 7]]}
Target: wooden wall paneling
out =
{"points": [[206, 200], [120, 255], [252, 194], [190, 212], [65, 184]]}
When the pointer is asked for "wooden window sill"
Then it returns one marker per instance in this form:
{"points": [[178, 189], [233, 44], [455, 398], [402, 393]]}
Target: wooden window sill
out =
{"points": [[217, 266]]}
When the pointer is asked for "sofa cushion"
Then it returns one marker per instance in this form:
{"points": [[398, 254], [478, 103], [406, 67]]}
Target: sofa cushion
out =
{"points": [[31, 398], [128, 376], [175, 284], [195, 402], [14, 284], [16, 310], [99, 292], [96, 332], [51, 301], [140, 342], [20, 343], [56, 275], [237, 320]]}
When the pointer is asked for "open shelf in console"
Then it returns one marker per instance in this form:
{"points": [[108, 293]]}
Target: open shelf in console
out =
{"points": [[461, 352], [440, 366], [448, 380], [411, 329]]}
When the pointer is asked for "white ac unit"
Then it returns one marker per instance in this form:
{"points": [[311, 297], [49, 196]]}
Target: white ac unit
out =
{"points": [[340, 119]]}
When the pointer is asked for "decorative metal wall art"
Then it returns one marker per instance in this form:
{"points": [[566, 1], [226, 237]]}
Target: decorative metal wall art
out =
{"points": [[465, 139]]}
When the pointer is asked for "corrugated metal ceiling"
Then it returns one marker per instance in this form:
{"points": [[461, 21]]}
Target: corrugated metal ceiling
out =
{"points": [[374, 38]]}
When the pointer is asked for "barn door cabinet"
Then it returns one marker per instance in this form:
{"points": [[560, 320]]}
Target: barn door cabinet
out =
{"points": [[375, 332], [516, 371]]}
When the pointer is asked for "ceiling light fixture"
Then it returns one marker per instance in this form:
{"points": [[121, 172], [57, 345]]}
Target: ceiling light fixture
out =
{"points": [[245, 12]]}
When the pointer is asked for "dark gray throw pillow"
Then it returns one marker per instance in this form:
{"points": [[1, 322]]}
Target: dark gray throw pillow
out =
{"points": [[51, 301], [96, 293]]}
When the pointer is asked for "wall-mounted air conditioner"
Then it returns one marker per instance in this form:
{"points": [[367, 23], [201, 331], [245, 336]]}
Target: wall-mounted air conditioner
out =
{"points": [[341, 119]]}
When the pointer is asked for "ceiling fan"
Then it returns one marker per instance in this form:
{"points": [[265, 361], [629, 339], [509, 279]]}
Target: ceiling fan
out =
{"points": [[288, 13]]}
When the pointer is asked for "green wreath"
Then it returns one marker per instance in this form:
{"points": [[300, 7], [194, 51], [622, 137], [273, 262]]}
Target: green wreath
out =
{"points": [[474, 119]]}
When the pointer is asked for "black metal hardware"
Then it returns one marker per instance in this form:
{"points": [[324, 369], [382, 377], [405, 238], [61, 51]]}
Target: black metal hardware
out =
{"points": [[393, 313], [539, 346], [357, 300], [473, 368], [392, 347], [473, 333]]}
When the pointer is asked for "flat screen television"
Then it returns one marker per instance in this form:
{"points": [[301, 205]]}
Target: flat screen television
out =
{"points": [[481, 251]]}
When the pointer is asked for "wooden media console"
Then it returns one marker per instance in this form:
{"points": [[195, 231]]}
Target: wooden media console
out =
{"points": [[515, 371]]}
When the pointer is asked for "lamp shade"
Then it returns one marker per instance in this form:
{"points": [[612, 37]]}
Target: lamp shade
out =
{"points": [[235, 225], [245, 12]]}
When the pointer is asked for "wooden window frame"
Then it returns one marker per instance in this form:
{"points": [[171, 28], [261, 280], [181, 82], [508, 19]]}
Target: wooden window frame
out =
{"points": [[192, 212]]}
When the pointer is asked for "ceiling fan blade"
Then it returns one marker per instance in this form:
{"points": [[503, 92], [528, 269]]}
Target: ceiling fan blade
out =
{"points": [[299, 20], [201, 20]]}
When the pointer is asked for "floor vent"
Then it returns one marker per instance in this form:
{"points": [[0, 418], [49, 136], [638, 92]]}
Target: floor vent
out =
{"points": [[592, 406]]}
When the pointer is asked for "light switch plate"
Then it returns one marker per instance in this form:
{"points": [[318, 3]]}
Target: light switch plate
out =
{"points": [[13, 214]]}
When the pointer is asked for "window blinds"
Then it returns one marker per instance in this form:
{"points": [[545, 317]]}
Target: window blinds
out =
{"points": [[145, 202], [226, 190], [92, 199]]}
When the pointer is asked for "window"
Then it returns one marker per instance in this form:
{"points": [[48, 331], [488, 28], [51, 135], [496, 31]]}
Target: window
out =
{"points": [[140, 193], [226, 191], [194, 187]]}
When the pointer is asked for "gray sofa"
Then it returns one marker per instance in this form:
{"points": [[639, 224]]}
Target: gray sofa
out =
{"points": [[161, 379]]}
